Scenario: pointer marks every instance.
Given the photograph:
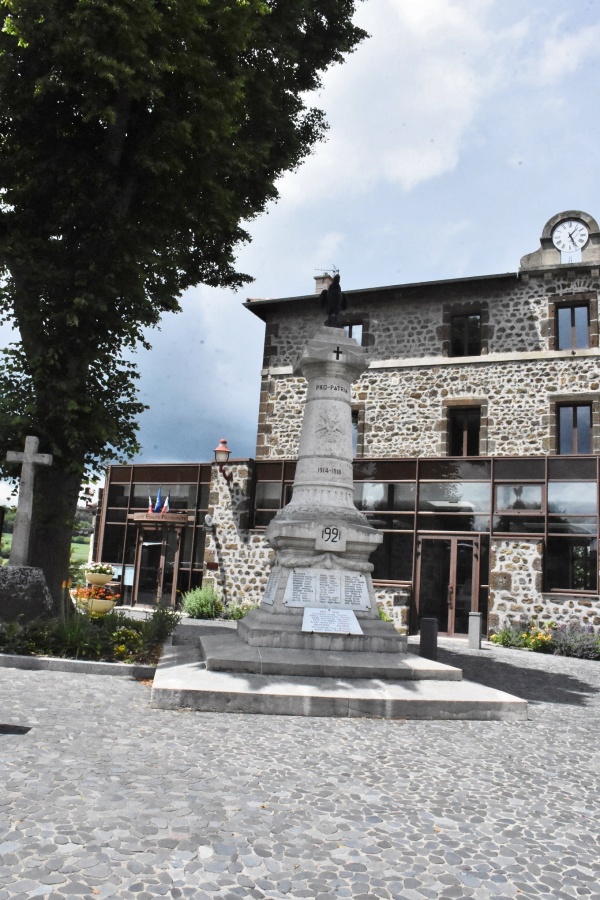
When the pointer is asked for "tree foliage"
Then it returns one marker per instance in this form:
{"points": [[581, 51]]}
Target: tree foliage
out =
{"points": [[137, 137]]}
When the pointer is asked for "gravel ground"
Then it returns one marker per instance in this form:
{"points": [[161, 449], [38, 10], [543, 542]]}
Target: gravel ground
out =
{"points": [[102, 796]]}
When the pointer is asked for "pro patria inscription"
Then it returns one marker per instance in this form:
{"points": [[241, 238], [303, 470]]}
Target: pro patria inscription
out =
{"points": [[328, 388], [326, 588]]}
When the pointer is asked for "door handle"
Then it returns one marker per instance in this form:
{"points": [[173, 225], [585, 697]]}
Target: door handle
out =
{"points": [[450, 596]]}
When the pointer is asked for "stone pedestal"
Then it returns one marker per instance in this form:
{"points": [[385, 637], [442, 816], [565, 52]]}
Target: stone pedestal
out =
{"points": [[322, 541], [24, 593]]}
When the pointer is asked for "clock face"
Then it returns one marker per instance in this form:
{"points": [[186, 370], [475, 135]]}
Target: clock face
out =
{"points": [[570, 235]]}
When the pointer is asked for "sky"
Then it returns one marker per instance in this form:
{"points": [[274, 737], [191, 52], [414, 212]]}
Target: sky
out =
{"points": [[455, 132]]}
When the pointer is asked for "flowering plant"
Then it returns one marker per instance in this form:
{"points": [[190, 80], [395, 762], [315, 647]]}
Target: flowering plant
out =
{"points": [[98, 568], [93, 592]]}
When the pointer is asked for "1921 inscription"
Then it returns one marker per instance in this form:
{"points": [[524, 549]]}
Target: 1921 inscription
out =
{"points": [[331, 537]]}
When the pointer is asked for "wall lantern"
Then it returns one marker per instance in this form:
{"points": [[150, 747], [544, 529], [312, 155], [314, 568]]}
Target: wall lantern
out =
{"points": [[222, 454]]}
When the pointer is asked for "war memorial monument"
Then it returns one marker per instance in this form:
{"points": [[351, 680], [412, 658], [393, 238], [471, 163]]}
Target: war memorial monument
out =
{"points": [[316, 645]]}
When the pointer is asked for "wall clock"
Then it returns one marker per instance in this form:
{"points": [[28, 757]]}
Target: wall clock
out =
{"points": [[570, 235]]}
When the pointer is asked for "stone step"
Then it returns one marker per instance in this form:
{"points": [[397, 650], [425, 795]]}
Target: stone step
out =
{"points": [[223, 651], [183, 681]]}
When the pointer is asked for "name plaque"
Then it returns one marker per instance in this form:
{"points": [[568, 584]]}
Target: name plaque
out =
{"points": [[161, 518], [331, 621], [327, 588], [271, 588]]}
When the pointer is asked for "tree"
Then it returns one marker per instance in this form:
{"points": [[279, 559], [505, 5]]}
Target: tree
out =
{"points": [[136, 139]]}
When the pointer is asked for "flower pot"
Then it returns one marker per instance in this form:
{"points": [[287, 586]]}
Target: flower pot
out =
{"points": [[95, 605], [97, 578]]}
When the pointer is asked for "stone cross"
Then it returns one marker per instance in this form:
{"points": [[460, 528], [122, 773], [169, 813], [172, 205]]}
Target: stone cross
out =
{"points": [[19, 553]]}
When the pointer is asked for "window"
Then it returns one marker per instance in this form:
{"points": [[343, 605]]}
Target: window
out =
{"points": [[572, 327], [272, 490], [464, 426], [574, 423], [354, 432], [571, 564], [454, 506], [572, 507], [519, 508], [465, 335], [355, 331], [393, 559]]}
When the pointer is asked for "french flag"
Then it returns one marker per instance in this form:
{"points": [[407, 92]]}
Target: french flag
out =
{"points": [[165, 508], [158, 505], [150, 508]]}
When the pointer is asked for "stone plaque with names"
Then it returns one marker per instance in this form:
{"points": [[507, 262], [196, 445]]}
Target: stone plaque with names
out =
{"points": [[355, 591], [326, 588], [271, 588], [330, 621]]}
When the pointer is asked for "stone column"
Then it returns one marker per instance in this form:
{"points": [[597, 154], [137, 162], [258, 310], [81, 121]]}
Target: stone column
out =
{"points": [[322, 541]]}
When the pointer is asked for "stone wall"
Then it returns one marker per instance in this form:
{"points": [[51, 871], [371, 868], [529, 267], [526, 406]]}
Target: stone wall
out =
{"points": [[405, 395], [242, 559], [405, 408], [516, 588], [410, 322], [395, 601], [236, 560], [404, 401]]}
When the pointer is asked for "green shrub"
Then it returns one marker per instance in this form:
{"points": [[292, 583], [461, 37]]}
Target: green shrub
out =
{"points": [[159, 626], [513, 634], [111, 637], [126, 643], [202, 603], [576, 640], [383, 615], [235, 610]]}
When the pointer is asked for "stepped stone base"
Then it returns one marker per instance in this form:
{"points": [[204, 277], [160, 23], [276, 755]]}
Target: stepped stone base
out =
{"points": [[279, 681], [284, 630], [223, 651]]}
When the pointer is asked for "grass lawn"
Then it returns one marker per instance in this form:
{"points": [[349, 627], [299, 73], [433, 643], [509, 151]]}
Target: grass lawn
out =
{"points": [[79, 552]]}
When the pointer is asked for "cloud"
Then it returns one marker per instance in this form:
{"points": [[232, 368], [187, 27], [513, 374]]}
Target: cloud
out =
{"points": [[563, 54], [400, 108]]}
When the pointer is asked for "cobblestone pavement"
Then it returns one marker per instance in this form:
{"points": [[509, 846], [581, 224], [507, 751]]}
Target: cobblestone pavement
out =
{"points": [[104, 796]]}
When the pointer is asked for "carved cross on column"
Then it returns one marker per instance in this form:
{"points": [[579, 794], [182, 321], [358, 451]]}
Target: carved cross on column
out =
{"points": [[19, 553]]}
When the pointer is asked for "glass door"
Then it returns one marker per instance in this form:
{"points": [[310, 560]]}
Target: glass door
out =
{"points": [[448, 581], [157, 565]]}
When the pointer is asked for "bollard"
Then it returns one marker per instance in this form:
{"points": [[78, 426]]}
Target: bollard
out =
{"points": [[428, 638], [474, 631]]}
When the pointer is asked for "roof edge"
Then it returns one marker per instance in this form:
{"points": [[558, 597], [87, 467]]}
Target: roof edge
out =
{"points": [[259, 303]]}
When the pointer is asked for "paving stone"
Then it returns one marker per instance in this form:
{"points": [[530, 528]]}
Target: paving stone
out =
{"points": [[107, 794]]}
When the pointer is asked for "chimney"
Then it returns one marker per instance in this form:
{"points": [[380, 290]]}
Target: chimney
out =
{"points": [[322, 282]]}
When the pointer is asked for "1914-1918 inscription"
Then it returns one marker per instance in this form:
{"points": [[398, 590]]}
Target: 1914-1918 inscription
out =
{"points": [[327, 588], [331, 621]]}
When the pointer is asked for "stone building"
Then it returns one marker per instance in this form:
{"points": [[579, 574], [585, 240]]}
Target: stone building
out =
{"points": [[477, 440]]}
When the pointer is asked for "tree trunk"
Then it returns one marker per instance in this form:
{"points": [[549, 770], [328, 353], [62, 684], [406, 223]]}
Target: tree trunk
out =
{"points": [[55, 502]]}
